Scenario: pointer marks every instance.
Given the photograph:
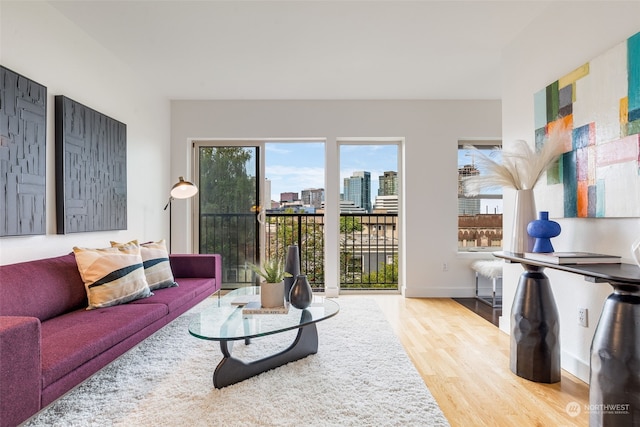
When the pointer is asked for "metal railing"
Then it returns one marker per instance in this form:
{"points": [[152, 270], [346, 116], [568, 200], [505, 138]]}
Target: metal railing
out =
{"points": [[368, 246]]}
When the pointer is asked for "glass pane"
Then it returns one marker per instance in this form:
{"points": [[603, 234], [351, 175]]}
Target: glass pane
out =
{"points": [[369, 216], [228, 214], [479, 217], [294, 196]]}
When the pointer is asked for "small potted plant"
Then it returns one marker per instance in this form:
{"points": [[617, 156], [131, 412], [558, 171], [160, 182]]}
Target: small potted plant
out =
{"points": [[272, 287]]}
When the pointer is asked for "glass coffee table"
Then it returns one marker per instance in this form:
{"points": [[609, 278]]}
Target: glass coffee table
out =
{"points": [[225, 322]]}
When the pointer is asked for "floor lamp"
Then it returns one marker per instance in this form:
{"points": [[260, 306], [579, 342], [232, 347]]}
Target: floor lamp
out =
{"points": [[181, 190]]}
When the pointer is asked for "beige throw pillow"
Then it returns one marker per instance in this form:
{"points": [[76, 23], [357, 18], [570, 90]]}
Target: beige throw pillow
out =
{"points": [[157, 268], [112, 276]]}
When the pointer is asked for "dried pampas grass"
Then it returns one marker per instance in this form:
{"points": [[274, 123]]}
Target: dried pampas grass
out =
{"points": [[521, 167]]}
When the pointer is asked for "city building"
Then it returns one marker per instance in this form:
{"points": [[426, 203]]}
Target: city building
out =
{"points": [[479, 231], [288, 197], [388, 184], [467, 205], [347, 207], [386, 204], [357, 188], [313, 197]]}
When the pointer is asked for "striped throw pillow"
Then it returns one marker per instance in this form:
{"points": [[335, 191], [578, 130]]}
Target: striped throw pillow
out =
{"points": [[112, 276], [156, 263]]}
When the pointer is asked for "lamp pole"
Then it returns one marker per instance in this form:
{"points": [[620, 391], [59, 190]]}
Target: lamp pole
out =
{"points": [[168, 205]]}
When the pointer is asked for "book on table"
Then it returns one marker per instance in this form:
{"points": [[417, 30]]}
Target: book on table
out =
{"points": [[573, 257], [245, 299], [254, 307]]}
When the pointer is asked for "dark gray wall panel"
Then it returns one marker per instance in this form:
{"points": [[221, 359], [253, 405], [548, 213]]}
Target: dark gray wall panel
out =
{"points": [[23, 133], [91, 169]]}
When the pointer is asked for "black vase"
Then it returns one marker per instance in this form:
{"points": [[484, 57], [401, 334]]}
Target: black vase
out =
{"points": [[301, 294], [291, 266]]}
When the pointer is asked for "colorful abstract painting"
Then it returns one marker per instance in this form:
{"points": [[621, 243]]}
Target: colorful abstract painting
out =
{"points": [[598, 176]]}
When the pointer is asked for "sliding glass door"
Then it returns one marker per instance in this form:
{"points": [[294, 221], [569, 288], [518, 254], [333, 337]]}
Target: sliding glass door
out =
{"points": [[228, 207], [251, 207]]}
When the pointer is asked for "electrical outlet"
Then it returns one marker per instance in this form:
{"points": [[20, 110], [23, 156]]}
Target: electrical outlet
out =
{"points": [[583, 315], [445, 267]]}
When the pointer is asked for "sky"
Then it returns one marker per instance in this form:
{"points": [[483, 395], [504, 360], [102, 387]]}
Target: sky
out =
{"points": [[293, 167]]}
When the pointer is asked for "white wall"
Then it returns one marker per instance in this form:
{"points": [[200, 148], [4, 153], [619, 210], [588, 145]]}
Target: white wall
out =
{"points": [[39, 43], [431, 130], [570, 35]]}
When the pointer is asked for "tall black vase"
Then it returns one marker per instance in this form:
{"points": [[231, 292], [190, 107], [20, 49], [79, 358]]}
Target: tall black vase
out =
{"points": [[301, 294], [291, 266]]}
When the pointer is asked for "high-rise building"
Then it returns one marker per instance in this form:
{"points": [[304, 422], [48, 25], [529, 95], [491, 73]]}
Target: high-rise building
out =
{"points": [[467, 206], [357, 189], [313, 197], [388, 184]]}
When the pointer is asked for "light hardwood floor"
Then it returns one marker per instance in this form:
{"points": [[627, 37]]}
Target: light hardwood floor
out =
{"points": [[464, 360]]}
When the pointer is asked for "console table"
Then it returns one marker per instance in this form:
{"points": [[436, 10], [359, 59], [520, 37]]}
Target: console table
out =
{"points": [[614, 378]]}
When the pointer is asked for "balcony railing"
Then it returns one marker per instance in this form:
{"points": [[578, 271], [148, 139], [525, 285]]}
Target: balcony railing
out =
{"points": [[368, 246]]}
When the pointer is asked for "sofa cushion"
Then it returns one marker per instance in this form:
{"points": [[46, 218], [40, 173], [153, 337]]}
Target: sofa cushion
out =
{"points": [[112, 275], [155, 259], [42, 288], [175, 298], [74, 338]]}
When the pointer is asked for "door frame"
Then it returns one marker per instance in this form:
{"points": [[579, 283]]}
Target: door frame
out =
{"points": [[196, 144], [399, 142]]}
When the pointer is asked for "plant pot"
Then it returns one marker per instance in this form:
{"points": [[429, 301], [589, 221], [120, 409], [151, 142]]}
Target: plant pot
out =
{"points": [[272, 294]]}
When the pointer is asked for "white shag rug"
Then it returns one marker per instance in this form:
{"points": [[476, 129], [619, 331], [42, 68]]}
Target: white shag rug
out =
{"points": [[361, 376]]}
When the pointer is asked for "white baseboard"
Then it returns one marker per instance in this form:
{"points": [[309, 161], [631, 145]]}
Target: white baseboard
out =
{"points": [[575, 366], [445, 292]]}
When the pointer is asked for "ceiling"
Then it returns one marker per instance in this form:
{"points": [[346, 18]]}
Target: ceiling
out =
{"points": [[309, 49]]}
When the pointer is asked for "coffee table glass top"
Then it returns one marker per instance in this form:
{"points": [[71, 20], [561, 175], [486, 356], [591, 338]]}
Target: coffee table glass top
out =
{"points": [[224, 321]]}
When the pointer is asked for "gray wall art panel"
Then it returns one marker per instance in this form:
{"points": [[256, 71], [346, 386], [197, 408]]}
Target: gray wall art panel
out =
{"points": [[23, 133], [91, 169]]}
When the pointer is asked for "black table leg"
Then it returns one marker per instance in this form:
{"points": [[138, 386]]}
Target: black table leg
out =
{"points": [[231, 370], [614, 379], [535, 329]]}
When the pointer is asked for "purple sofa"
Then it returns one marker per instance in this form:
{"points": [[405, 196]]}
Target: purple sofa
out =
{"points": [[49, 342]]}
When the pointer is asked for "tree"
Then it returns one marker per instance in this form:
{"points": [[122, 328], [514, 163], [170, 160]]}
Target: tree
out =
{"points": [[349, 224], [311, 240], [227, 188], [385, 277], [225, 185]]}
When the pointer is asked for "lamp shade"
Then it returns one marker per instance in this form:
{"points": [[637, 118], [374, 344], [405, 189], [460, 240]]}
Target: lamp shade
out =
{"points": [[183, 189]]}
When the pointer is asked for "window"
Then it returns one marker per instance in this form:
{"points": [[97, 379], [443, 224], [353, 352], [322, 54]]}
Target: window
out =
{"points": [[479, 217]]}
